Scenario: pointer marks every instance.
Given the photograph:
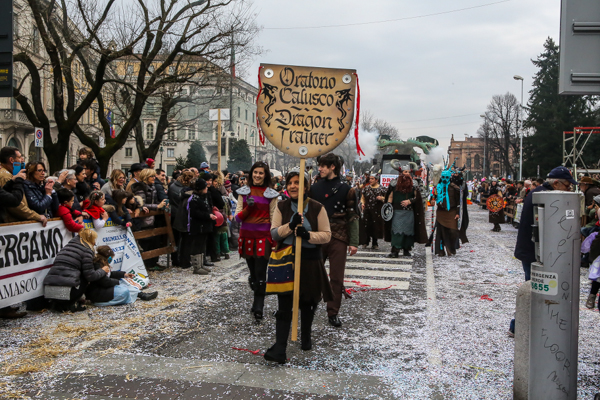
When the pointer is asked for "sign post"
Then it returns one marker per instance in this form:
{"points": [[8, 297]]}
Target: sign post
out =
{"points": [[305, 112], [218, 114]]}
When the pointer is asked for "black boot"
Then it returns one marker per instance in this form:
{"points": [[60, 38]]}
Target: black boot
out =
{"points": [[406, 253], [307, 314], [259, 300], [282, 330]]}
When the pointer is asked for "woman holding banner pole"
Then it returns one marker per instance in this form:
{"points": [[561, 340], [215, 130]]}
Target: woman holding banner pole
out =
{"points": [[312, 225], [255, 208]]}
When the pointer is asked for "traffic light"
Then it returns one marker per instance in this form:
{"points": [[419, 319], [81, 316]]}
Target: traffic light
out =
{"points": [[6, 48]]}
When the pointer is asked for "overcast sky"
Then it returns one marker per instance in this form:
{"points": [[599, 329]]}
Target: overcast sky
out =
{"points": [[433, 70]]}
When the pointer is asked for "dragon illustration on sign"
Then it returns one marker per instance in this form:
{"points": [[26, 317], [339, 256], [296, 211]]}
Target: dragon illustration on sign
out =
{"points": [[344, 97]]}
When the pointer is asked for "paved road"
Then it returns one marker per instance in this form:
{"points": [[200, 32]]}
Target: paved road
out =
{"points": [[435, 330]]}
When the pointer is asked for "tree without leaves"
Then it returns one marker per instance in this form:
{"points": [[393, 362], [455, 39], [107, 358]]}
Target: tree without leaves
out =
{"points": [[65, 48], [501, 130], [174, 38], [550, 114]]}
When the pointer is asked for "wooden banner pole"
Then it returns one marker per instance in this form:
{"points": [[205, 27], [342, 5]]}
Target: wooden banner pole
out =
{"points": [[298, 254]]}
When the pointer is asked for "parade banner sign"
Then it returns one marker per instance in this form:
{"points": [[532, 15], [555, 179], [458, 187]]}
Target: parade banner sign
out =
{"points": [[127, 255], [27, 253], [385, 179], [305, 111]]}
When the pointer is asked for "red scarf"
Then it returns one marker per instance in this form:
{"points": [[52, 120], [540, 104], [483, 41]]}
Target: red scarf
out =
{"points": [[92, 209]]}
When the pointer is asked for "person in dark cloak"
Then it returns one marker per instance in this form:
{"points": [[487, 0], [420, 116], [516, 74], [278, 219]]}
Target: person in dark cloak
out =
{"points": [[407, 226], [458, 180]]}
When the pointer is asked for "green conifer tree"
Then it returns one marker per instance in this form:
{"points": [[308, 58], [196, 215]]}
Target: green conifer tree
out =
{"points": [[550, 114], [239, 156]]}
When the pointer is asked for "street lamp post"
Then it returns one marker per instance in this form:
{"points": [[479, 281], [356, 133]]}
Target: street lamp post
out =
{"points": [[520, 78], [484, 147]]}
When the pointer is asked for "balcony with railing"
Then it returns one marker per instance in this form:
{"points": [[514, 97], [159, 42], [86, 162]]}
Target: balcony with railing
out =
{"points": [[13, 117]]}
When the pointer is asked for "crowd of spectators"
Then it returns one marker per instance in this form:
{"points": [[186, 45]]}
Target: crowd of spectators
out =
{"points": [[29, 193]]}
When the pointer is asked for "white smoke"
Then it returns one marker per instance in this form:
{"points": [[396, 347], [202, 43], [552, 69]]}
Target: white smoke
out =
{"points": [[436, 155], [368, 143]]}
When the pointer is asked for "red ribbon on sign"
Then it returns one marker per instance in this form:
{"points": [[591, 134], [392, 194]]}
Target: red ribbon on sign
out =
{"points": [[261, 136], [359, 151]]}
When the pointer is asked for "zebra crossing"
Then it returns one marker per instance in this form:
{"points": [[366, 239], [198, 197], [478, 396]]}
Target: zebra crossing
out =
{"points": [[371, 269]]}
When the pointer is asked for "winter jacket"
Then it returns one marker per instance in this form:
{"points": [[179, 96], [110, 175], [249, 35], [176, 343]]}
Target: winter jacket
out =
{"points": [[68, 216], [150, 197], [175, 197], [22, 212], [181, 218], [199, 207], [119, 219], [108, 188], [525, 248], [38, 200], [82, 191], [103, 289], [216, 197], [10, 196], [73, 266], [161, 193]]}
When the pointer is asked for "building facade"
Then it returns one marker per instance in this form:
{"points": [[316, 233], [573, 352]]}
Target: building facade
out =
{"points": [[191, 123], [470, 154]]}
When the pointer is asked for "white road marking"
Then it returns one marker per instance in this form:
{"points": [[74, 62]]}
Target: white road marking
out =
{"points": [[432, 309], [378, 266], [382, 274], [380, 259]]}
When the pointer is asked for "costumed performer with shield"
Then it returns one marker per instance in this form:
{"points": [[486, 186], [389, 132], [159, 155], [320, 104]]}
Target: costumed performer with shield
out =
{"points": [[495, 205], [408, 221]]}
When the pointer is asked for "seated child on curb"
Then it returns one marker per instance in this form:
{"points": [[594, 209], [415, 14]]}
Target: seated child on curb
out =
{"points": [[72, 218], [110, 290], [93, 208]]}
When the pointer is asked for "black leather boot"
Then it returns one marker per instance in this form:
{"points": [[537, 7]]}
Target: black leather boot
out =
{"points": [[307, 314], [276, 352], [259, 300]]}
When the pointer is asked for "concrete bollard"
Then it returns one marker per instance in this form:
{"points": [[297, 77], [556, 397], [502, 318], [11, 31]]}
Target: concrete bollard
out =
{"points": [[521, 358]]}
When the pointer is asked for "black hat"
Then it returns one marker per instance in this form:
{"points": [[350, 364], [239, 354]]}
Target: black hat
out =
{"points": [[200, 185], [136, 167]]}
